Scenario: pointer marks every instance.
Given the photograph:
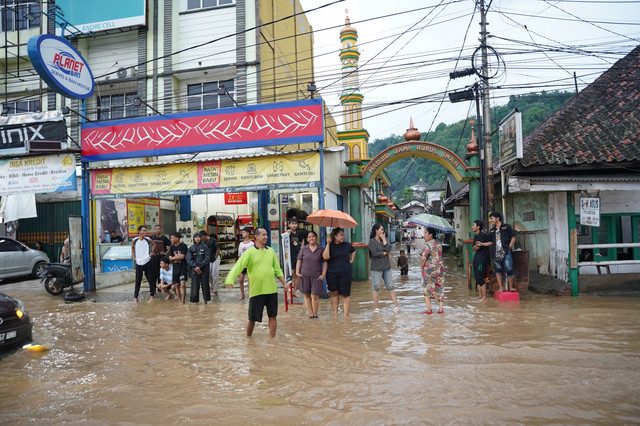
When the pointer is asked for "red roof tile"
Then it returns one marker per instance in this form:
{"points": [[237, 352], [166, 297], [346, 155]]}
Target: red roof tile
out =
{"points": [[599, 125]]}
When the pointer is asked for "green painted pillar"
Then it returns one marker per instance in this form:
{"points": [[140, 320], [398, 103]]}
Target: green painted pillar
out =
{"points": [[573, 229], [474, 207], [360, 267]]}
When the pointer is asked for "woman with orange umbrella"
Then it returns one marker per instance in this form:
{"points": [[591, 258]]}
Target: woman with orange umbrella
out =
{"points": [[339, 256]]}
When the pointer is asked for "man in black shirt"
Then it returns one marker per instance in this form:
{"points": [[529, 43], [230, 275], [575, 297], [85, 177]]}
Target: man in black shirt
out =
{"points": [[158, 251], [178, 258], [214, 265], [297, 238], [481, 259]]}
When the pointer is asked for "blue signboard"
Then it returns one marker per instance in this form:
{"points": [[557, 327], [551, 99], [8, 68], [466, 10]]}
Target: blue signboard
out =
{"points": [[102, 15]]}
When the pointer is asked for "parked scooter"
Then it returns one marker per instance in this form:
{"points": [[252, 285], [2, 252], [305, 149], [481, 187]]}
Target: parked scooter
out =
{"points": [[56, 278]]}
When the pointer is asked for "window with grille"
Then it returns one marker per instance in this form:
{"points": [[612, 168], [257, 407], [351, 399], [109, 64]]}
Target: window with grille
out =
{"points": [[112, 107], [201, 4], [20, 107], [13, 14], [205, 95]]}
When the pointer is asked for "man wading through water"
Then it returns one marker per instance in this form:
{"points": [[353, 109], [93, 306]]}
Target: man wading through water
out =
{"points": [[262, 267]]}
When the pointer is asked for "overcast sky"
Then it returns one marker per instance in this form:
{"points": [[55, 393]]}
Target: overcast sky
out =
{"points": [[405, 59]]}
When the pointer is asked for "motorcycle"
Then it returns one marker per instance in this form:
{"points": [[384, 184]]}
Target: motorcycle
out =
{"points": [[56, 278]]}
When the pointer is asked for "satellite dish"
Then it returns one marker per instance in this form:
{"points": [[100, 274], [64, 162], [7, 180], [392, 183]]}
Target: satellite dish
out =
{"points": [[122, 72]]}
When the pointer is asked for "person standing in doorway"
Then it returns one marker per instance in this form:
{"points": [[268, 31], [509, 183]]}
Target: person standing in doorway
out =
{"points": [[262, 266], [158, 251], [244, 245], [432, 271], [214, 264], [198, 257], [481, 258], [311, 270], [503, 238], [178, 258], [339, 256], [297, 238], [408, 242], [65, 254], [379, 249], [141, 250]]}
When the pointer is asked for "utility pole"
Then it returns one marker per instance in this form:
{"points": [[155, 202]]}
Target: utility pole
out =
{"points": [[486, 109]]}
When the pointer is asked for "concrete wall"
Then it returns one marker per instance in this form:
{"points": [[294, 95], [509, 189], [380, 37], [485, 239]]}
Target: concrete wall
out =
{"points": [[461, 224]]}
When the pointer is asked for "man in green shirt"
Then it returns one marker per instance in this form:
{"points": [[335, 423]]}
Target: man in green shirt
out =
{"points": [[262, 265]]}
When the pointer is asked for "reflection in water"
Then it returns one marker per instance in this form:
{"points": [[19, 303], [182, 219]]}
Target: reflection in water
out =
{"points": [[544, 360]]}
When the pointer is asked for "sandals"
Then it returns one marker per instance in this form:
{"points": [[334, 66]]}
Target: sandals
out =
{"points": [[441, 312], [376, 311], [396, 310], [429, 312]]}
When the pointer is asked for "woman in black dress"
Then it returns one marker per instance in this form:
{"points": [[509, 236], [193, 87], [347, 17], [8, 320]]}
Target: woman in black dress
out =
{"points": [[339, 256]]}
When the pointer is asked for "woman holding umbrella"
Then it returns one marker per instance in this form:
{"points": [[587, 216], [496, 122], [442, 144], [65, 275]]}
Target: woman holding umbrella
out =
{"points": [[339, 256], [379, 249], [432, 271]]}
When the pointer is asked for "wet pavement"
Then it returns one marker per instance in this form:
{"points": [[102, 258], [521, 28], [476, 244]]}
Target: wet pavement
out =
{"points": [[544, 360]]}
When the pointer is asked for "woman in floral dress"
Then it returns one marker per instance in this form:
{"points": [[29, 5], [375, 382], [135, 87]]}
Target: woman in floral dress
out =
{"points": [[432, 271]]}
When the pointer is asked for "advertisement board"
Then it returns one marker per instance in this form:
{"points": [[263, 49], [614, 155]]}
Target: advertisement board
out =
{"points": [[61, 66], [232, 198], [208, 130], [19, 130], [100, 16], [590, 211], [510, 138], [34, 175], [219, 176]]}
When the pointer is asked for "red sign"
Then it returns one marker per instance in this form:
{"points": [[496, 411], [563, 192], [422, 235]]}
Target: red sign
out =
{"points": [[210, 130], [245, 218], [235, 198]]}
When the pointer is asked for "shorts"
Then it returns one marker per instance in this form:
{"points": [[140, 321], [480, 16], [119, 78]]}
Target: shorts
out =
{"points": [[244, 271], [310, 285], [378, 276], [179, 272], [257, 304], [480, 272], [340, 282], [506, 265]]}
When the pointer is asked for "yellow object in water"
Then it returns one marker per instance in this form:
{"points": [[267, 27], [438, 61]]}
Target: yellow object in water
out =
{"points": [[36, 348]]}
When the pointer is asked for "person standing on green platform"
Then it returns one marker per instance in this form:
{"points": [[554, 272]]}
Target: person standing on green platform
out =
{"points": [[262, 266]]}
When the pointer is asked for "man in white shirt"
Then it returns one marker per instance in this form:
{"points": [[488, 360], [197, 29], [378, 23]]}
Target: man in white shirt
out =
{"points": [[141, 249]]}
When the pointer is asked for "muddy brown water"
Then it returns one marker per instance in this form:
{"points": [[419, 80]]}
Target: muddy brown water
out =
{"points": [[546, 360]]}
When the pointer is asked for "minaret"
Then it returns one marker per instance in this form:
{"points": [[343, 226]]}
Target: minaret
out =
{"points": [[354, 135]]}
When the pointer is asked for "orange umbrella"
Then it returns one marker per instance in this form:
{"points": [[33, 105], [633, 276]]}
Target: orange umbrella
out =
{"points": [[332, 218]]}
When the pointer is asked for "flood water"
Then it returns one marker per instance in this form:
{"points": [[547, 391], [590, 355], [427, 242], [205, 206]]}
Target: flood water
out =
{"points": [[546, 360]]}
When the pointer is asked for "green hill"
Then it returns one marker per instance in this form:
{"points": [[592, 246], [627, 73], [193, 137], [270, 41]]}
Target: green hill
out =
{"points": [[535, 108]]}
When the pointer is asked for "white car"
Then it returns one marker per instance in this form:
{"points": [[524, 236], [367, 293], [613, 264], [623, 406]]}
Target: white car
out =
{"points": [[16, 259]]}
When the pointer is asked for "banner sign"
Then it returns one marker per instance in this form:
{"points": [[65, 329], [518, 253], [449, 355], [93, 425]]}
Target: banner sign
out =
{"points": [[142, 212], [33, 175], [209, 130], [99, 16], [61, 66], [218, 176], [510, 137], [19, 129], [235, 198], [590, 211]]}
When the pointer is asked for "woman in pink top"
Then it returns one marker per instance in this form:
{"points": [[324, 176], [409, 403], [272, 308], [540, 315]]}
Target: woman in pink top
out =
{"points": [[311, 270]]}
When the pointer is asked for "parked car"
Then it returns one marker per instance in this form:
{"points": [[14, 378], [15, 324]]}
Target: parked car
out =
{"points": [[15, 323], [16, 259]]}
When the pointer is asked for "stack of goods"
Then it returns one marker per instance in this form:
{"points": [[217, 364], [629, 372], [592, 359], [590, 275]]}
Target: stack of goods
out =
{"points": [[226, 237], [231, 253]]}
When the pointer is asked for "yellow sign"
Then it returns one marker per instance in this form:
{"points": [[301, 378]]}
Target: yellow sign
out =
{"points": [[248, 174]]}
